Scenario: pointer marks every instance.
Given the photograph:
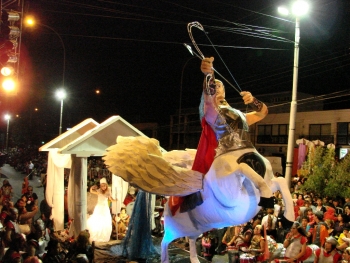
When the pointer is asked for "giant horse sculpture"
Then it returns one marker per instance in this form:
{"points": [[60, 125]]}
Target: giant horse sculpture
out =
{"points": [[229, 198]]}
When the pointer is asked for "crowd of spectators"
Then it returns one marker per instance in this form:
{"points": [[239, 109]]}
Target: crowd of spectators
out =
{"points": [[26, 230], [320, 221]]}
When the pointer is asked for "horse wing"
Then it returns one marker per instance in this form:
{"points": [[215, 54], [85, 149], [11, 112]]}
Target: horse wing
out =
{"points": [[139, 161]]}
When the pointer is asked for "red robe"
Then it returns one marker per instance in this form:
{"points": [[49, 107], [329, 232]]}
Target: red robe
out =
{"points": [[203, 160]]}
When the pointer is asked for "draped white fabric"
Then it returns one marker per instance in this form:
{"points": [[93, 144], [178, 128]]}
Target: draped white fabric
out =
{"points": [[119, 191], [77, 195], [55, 185]]}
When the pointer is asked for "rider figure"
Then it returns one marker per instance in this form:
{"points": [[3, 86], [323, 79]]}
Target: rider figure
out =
{"points": [[224, 129], [230, 125]]}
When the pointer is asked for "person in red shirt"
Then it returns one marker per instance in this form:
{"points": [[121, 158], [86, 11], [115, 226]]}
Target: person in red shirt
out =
{"points": [[131, 196], [300, 200], [330, 214], [328, 253], [295, 243]]}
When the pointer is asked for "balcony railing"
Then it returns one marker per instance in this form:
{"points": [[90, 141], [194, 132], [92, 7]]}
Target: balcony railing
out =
{"points": [[272, 139], [283, 139], [343, 140], [327, 139]]}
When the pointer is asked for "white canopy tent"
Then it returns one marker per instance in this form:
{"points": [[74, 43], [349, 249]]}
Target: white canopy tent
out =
{"points": [[55, 171], [94, 143]]}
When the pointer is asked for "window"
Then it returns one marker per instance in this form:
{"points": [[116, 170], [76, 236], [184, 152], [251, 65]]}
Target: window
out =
{"points": [[321, 132], [343, 133], [273, 134], [320, 129]]}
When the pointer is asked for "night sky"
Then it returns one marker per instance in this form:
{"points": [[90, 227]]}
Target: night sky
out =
{"points": [[133, 52]]}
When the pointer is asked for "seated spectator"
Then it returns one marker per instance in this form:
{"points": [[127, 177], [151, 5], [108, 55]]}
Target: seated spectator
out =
{"points": [[320, 206], [300, 216], [345, 241], [346, 255], [43, 175], [330, 226], [336, 205], [240, 238], [15, 250], [311, 216], [330, 213], [328, 253], [53, 252], [257, 244], [229, 234], [347, 202], [308, 204], [300, 201], [308, 229], [39, 238], [25, 217], [339, 225], [208, 245], [342, 235], [45, 211], [320, 232], [295, 243], [346, 214], [25, 185], [6, 205], [32, 246], [270, 221], [32, 259], [3, 216], [32, 198], [6, 191], [82, 246], [11, 227]]}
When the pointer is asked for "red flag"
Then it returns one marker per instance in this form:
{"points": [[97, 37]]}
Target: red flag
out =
{"points": [[267, 251]]}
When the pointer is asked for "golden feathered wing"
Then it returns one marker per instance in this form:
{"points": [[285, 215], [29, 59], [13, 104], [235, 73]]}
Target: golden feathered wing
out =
{"points": [[139, 161]]}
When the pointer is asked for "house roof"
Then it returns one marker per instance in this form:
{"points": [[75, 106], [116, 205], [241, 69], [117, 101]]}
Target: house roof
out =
{"points": [[70, 135], [95, 141]]}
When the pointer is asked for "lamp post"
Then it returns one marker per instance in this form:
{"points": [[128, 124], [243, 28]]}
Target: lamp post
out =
{"points": [[31, 22], [61, 95], [180, 103], [299, 8], [7, 118]]}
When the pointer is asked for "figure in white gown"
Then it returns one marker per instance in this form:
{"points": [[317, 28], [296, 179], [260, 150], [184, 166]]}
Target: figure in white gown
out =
{"points": [[99, 223]]}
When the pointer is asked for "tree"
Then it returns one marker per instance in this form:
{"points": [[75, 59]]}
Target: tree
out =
{"points": [[327, 177], [340, 181]]}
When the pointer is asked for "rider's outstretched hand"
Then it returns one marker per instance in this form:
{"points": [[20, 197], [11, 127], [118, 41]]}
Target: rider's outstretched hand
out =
{"points": [[207, 66]]}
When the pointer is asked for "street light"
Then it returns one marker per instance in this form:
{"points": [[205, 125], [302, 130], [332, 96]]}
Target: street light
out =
{"points": [[299, 8], [31, 22], [61, 95], [7, 118]]}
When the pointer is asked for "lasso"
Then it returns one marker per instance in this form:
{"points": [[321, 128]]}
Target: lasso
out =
{"points": [[201, 56]]}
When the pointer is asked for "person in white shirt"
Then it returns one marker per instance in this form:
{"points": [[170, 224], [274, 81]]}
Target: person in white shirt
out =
{"points": [[30, 170], [270, 221]]}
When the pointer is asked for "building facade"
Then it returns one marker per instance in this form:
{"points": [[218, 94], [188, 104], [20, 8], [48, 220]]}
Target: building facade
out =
{"points": [[270, 135]]}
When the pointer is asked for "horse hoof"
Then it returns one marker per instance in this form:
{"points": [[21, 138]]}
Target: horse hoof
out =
{"points": [[267, 202]]}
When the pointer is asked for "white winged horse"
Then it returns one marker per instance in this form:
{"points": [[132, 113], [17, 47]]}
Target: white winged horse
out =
{"points": [[229, 198]]}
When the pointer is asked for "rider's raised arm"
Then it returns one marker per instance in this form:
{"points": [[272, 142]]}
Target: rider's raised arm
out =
{"points": [[209, 91], [259, 108]]}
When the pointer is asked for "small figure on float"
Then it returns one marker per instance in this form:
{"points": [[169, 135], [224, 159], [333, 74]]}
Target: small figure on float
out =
{"points": [[99, 223]]}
